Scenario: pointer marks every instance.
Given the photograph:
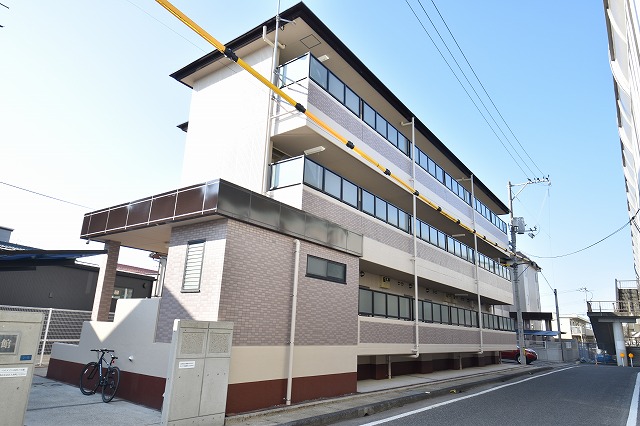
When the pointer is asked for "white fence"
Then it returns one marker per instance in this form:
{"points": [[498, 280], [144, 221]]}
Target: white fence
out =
{"points": [[60, 325]]}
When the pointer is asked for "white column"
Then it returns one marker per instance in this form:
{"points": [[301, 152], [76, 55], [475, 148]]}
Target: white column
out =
{"points": [[618, 336]]}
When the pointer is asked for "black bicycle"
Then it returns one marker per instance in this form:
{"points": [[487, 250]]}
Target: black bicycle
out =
{"points": [[102, 373]]}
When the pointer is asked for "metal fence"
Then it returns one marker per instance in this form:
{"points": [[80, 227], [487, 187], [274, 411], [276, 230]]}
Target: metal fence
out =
{"points": [[60, 325]]}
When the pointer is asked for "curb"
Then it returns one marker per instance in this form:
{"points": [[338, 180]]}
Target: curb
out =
{"points": [[377, 407]]}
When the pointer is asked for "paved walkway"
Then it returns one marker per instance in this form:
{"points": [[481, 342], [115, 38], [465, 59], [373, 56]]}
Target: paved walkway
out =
{"points": [[56, 403]]}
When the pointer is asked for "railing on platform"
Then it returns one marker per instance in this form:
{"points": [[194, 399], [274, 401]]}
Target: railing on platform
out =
{"points": [[622, 306]]}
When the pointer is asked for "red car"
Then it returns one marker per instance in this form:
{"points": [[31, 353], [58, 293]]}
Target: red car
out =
{"points": [[514, 355]]}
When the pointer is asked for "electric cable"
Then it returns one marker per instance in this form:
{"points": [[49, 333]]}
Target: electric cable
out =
{"points": [[590, 245], [46, 196], [472, 86], [483, 88], [465, 89]]}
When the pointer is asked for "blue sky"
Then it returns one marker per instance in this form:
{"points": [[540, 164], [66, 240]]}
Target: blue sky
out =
{"points": [[88, 112]]}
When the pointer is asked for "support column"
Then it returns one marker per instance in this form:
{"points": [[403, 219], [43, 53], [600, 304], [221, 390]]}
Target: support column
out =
{"points": [[618, 337], [106, 282]]}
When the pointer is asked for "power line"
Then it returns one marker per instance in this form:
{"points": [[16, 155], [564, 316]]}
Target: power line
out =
{"points": [[464, 88], [483, 88], [46, 196], [470, 84], [590, 245]]}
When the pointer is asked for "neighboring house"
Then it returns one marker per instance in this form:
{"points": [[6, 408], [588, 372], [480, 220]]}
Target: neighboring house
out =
{"points": [[263, 224], [36, 278], [578, 325]]}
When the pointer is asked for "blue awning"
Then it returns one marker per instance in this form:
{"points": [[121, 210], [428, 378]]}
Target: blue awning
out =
{"points": [[540, 333]]}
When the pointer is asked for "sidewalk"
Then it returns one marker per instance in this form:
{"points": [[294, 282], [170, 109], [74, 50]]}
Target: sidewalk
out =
{"points": [[52, 402]]}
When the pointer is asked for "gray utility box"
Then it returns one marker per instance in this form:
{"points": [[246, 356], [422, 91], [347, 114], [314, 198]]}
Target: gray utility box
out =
{"points": [[198, 373], [19, 339]]}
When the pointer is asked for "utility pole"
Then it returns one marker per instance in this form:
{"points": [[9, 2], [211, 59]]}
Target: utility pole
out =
{"points": [[555, 293], [518, 227]]}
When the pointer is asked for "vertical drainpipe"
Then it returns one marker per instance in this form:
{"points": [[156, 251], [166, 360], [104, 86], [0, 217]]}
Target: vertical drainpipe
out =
{"points": [[416, 349], [274, 80], [294, 305], [477, 260]]}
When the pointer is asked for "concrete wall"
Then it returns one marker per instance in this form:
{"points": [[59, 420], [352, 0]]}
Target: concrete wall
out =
{"points": [[227, 126]]}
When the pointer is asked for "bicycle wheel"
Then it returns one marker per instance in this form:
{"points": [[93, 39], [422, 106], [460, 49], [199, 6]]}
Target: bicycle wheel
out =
{"points": [[111, 384], [89, 379]]}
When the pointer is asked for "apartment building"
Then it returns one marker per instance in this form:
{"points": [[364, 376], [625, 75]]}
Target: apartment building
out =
{"points": [[286, 232], [621, 18]]}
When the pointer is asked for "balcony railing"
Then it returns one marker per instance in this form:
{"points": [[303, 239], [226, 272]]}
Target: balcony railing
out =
{"points": [[307, 66], [302, 170], [373, 303]]}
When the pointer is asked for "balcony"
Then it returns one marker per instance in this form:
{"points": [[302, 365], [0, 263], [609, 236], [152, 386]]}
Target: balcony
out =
{"points": [[293, 172], [307, 78]]}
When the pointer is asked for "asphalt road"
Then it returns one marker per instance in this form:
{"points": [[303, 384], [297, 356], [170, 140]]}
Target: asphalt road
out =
{"points": [[578, 395]]}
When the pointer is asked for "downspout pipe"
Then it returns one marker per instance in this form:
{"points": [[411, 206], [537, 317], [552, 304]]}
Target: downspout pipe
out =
{"points": [[477, 261], [416, 349], [294, 306]]}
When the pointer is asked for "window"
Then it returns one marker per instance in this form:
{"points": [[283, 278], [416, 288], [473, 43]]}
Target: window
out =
{"points": [[365, 302], [332, 184], [193, 266], [368, 202], [368, 115], [313, 174], [350, 193], [336, 88], [326, 269], [381, 209], [318, 73], [122, 293], [352, 101]]}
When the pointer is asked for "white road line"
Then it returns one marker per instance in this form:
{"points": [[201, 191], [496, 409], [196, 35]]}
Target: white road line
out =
{"points": [[440, 404], [633, 409]]}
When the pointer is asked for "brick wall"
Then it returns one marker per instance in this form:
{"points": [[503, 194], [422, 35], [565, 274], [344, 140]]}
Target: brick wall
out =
{"points": [[197, 306], [258, 284], [398, 333]]}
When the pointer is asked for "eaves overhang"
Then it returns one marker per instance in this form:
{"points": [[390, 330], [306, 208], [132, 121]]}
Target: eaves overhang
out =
{"points": [[300, 10], [146, 223]]}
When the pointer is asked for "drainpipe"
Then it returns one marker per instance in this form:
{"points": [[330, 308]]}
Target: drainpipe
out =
{"points": [[273, 79], [294, 304], [416, 349], [477, 260]]}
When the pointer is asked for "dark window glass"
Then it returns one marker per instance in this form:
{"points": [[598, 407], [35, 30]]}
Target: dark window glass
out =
{"points": [[445, 314], [352, 101], [332, 183], [405, 308], [427, 308], [392, 215], [365, 302], [432, 167], [368, 115], [336, 87], [381, 209], [467, 318], [379, 304], [437, 312], [392, 135], [403, 143], [381, 125], [454, 316], [349, 193], [392, 306], [326, 269], [368, 203], [313, 174], [318, 73], [403, 221]]}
